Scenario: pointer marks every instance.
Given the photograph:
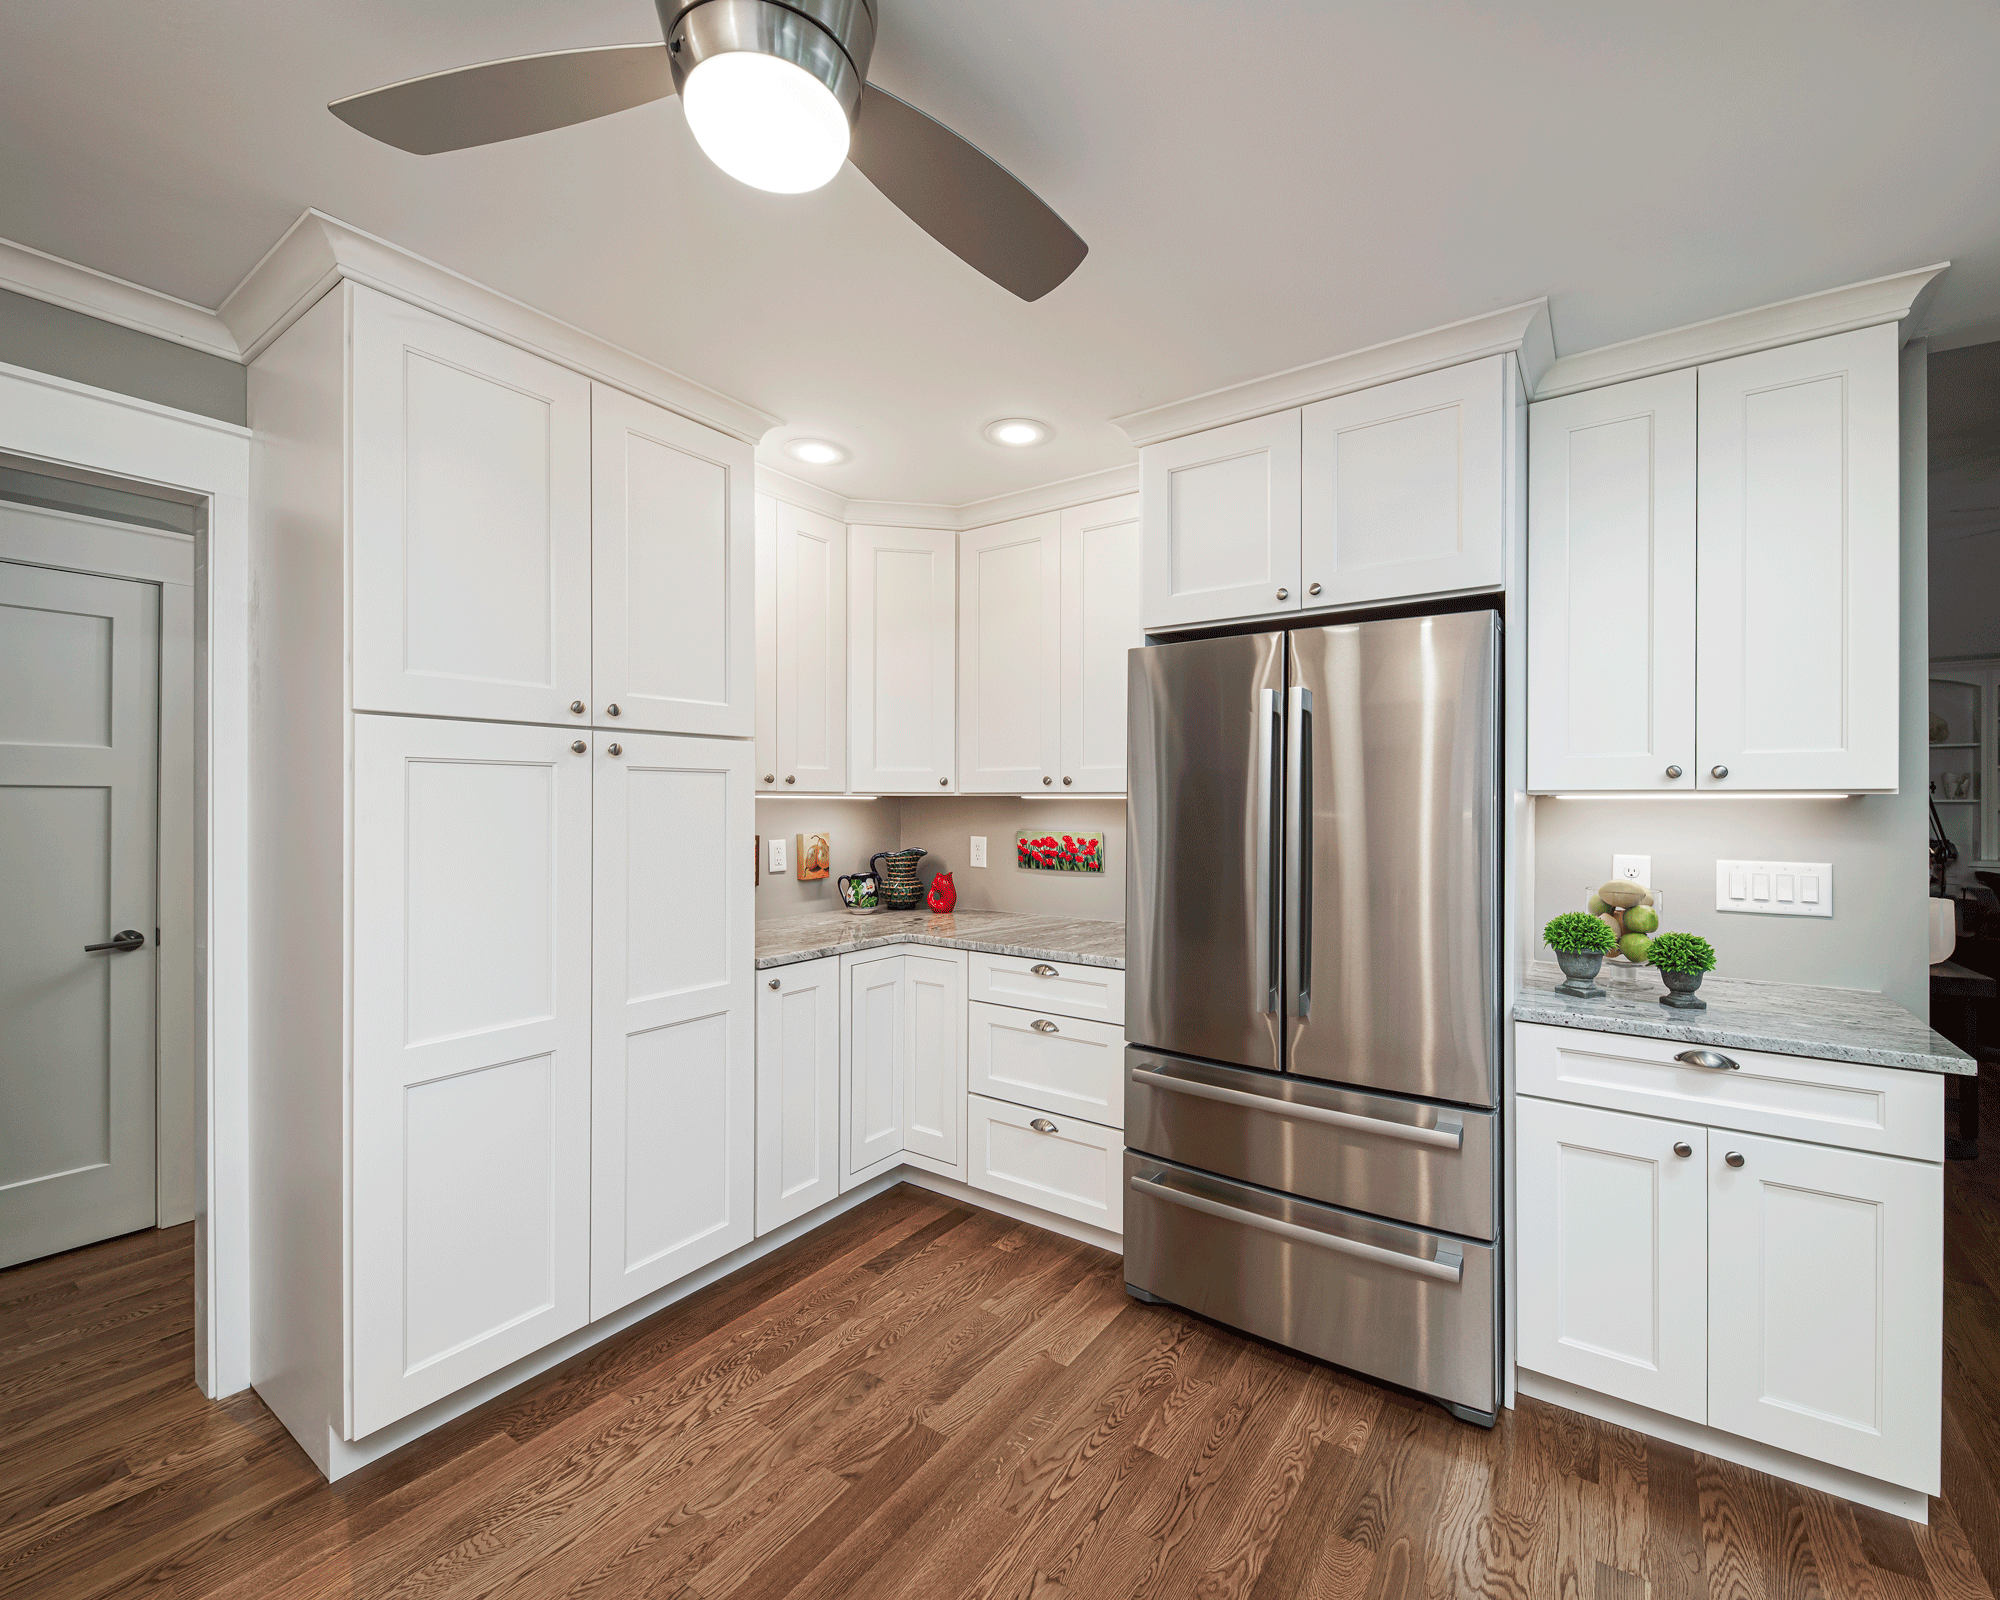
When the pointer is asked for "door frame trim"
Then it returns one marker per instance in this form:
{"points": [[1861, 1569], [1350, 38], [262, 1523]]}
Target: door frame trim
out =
{"points": [[54, 419]]}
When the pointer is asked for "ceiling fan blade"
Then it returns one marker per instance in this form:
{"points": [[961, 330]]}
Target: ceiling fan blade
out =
{"points": [[498, 100], [963, 198]]}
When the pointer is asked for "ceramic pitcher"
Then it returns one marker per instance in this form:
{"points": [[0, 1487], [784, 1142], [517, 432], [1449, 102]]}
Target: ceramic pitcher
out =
{"points": [[902, 889]]}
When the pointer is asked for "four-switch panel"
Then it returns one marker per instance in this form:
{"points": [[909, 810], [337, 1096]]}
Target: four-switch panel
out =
{"points": [[1778, 888]]}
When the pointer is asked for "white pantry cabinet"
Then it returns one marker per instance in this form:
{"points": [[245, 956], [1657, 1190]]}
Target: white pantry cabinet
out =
{"points": [[798, 1090], [471, 1094], [801, 650], [1010, 656], [673, 571], [1100, 628], [1221, 512], [673, 1098], [902, 596]]}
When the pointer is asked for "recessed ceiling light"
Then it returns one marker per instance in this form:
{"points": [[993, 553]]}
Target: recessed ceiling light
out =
{"points": [[819, 452], [1018, 431]]}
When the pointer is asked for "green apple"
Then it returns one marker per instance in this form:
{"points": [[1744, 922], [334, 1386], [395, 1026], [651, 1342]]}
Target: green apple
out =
{"points": [[1641, 919], [1635, 947], [1597, 907]]}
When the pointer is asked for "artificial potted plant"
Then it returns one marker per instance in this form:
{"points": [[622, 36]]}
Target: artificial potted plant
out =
{"points": [[1682, 958], [1581, 942]]}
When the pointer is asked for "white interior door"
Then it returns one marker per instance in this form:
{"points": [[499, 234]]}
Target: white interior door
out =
{"points": [[1221, 512], [673, 1100], [1613, 1253], [1611, 567], [1825, 1273], [470, 1109], [902, 597], [1404, 486], [1010, 656], [934, 1053], [798, 1090], [872, 1091], [1100, 627], [1799, 583], [811, 656], [79, 733], [470, 511], [673, 571]]}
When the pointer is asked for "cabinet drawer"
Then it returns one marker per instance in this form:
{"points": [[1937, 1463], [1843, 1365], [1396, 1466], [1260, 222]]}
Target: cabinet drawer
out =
{"points": [[1878, 1109], [1067, 1165], [1061, 988], [1065, 1066]]}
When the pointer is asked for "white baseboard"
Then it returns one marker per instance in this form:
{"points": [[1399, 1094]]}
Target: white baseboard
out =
{"points": [[1912, 1504]]}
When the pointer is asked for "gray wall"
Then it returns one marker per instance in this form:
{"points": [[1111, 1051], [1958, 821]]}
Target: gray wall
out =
{"points": [[944, 827], [51, 338], [1964, 514], [856, 828], [1877, 937]]}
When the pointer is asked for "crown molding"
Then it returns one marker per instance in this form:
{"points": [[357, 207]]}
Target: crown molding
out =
{"points": [[1522, 331], [318, 251], [1900, 296], [97, 294], [1057, 496]]}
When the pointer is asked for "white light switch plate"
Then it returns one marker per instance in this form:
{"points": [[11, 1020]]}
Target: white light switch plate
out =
{"points": [[1775, 888], [1633, 869], [977, 854], [777, 863]]}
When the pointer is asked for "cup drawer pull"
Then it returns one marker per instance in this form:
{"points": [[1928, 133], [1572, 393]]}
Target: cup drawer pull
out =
{"points": [[1043, 1025], [1449, 1134], [1449, 1267], [1043, 1125], [1713, 1060], [1042, 969]]}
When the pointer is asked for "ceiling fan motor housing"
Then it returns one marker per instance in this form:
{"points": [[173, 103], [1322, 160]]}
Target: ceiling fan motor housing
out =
{"points": [[831, 39]]}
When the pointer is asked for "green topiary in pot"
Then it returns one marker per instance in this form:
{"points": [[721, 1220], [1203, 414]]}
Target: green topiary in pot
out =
{"points": [[1581, 943], [1682, 959]]}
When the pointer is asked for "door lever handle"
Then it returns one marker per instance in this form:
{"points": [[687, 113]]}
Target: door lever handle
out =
{"points": [[130, 939]]}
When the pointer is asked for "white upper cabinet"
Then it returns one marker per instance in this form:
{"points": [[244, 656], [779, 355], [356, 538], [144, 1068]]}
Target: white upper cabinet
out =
{"points": [[673, 1099], [1611, 569], [1010, 656], [1799, 590], [672, 563], [470, 510], [1405, 486], [1222, 522], [1100, 626], [801, 650], [902, 594]]}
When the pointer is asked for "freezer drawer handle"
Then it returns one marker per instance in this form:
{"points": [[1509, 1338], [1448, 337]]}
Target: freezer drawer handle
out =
{"points": [[1449, 1267], [1449, 1134]]}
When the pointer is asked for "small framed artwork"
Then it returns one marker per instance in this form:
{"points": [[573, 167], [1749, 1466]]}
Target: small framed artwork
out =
{"points": [[1059, 852], [814, 855]]}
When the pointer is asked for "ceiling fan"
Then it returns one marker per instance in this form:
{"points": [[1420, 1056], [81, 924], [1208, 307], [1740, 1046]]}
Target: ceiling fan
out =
{"points": [[777, 95]]}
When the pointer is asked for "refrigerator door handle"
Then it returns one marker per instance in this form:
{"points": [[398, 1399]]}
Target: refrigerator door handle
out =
{"points": [[1299, 842], [1449, 1267], [1270, 824], [1449, 1134]]}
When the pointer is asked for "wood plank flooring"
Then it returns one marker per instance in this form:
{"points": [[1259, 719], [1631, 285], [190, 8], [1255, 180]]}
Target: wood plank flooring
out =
{"points": [[922, 1400]]}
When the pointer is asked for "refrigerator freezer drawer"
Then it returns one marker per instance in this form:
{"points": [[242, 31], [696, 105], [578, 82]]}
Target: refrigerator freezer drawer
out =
{"points": [[1429, 1165], [1398, 1304]]}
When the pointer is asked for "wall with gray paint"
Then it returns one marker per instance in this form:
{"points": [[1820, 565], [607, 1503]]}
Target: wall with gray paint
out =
{"points": [[857, 829], [51, 338], [944, 827]]}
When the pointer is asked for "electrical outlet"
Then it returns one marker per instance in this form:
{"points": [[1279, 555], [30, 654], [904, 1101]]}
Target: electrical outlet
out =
{"points": [[977, 855], [1633, 869], [1775, 888], [777, 862]]}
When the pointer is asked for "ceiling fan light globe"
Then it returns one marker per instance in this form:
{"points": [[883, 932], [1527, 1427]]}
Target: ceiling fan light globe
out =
{"points": [[766, 122]]}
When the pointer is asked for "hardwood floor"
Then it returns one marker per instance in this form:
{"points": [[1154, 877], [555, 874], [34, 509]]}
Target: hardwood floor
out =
{"points": [[922, 1400]]}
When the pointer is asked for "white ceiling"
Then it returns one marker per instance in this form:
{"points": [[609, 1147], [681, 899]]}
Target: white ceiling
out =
{"points": [[1261, 183]]}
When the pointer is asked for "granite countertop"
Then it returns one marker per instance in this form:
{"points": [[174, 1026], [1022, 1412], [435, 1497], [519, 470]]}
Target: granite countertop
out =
{"points": [[1792, 1019], [783, 940]]}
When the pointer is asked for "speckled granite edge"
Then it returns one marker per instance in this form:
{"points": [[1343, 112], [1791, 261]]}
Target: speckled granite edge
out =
{"points": [[1784, 1018], [785, 941]]}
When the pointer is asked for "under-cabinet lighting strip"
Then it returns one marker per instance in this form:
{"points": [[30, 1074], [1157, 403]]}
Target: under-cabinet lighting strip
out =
{"points": [[1691, 794]]}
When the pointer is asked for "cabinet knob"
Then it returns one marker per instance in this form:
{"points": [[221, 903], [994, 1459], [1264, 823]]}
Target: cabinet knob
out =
{"points": [[1066, 783], [944, 783], [1718, 771], [1681, 1146], [791, 777], [578, 746], [1043, 1125], [770, 777], [1312, 589], [1734, 1158], [612, 709], [576, 708], [1284, 594], [1047, 780], [1043, 1025], [614, 749], [1673, 772], [774, 983]]}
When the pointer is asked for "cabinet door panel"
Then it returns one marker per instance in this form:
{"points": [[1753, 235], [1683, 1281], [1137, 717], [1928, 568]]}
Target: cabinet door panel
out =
{"points": [[934, 1050], [767, 642], [872, 1089], [1799, 566], [1613, 1253], [471, 1064], [1825, 1286], [798, 1090], [1100, 625], [1010, 656], [470, 521], [1611, 569], [902, 598], [672, 551], [673, 1104], [812, 652], [1404, 486], [1220, 511]]}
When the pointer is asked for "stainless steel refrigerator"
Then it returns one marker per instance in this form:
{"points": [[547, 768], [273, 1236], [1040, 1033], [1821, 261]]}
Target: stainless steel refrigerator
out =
{"points": [[1313, 993]]}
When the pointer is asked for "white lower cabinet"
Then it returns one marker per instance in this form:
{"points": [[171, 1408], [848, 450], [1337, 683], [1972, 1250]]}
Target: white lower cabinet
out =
{"points": [[1057, 1063], [934, 1054], [798, 1090], [903, 1090], [871, 1089], [1061, 1164]]}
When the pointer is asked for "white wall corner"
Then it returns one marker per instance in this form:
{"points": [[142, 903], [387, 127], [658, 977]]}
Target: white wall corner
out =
{"points": [[797, 492], [62, 283], [1057, 496]]}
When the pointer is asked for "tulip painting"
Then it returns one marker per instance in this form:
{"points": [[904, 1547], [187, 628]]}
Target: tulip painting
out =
{"points": [[1059, 852]]}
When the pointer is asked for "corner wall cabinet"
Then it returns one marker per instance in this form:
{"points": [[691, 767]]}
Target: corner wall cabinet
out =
{"points": [[1713, 575], [801, 650], [902, 600]]}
